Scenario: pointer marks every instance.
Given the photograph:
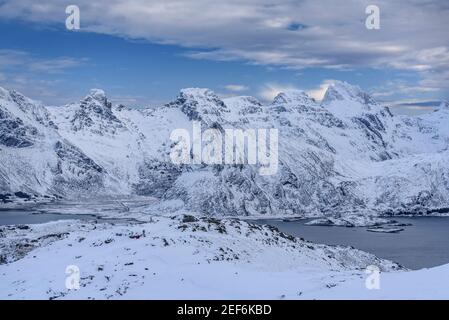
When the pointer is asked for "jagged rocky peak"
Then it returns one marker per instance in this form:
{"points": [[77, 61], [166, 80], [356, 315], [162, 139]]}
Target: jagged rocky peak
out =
{"points": [[201, 96], [348, 101], [96, 98], [197, 93], [293, 100], [199, 102], [343, 91], [242, 101], [13, 132], [17, 129], [98, 94], [293, 97], [26, 104], [19, 99], [95, 111], [243, 105], [30, 111]]}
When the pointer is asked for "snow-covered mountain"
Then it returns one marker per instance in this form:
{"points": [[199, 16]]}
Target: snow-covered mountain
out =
{"points": [[345, 154]]}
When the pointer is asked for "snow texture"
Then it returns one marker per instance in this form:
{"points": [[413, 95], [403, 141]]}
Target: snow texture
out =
{"points": [[347, 156]]}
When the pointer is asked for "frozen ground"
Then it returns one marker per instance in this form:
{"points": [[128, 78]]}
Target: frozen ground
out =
{"points": [[423, 284], [184, 257]]}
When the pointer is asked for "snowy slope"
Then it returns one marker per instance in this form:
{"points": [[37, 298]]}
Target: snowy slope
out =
{"points": [[425, 284], [182, 257], [92, 126], [35, 158], [346, 155]]}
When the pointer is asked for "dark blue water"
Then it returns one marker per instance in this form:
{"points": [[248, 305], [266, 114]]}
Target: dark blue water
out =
{"points": [[13, 216], [424, 244]]}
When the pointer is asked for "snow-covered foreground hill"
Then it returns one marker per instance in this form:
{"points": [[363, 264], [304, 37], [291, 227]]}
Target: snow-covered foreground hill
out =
{"points": [[345, 155], [185, 257], [177, 257], [425, 284]]}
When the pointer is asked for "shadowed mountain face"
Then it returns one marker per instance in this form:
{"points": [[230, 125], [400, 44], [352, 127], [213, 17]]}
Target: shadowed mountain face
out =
{"points": [[347, 154]]}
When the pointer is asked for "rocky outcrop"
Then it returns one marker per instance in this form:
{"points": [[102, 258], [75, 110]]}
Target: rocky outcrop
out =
{"points": [[346, 154]]}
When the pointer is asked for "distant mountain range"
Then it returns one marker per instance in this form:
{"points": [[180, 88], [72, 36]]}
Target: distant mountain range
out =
{"points": [[345, 154]]}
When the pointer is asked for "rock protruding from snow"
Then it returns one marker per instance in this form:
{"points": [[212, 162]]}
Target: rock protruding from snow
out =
{"points": [[98, 94], [200, 104], [293, 97], [293, 101], [22, 120], [204, 256], [87, 175], [28, 110], [347, 155], [97, 100], [35, 159], [95, 113], [242, 106], [341, 90], [346, 100], [13, 132]]}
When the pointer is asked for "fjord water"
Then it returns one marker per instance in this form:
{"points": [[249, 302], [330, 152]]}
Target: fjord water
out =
{"points": [[17, 216], [424, 244]]}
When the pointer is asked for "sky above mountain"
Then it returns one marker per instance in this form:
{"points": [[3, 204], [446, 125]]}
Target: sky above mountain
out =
{"points": [[143, 52]]}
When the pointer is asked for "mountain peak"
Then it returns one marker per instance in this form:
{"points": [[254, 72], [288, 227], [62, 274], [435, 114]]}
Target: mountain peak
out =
{"points": [[346, 100], [97, 94], [96, 100], [95, 112], [341, 91], [197, 102], [241, 101], [198, 94], [243, 105], [21, 100], [3, 93], [292, 96]]}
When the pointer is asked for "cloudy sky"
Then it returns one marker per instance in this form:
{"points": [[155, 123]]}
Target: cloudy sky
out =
{"points": [[143, 52]]}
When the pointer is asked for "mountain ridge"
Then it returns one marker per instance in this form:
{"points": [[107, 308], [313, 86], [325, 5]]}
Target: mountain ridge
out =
{"points": [[345, 154]]}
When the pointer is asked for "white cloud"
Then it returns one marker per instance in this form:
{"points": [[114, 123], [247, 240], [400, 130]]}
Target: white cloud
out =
{"points": [[410, 109], [270, 90], [413, 34], [318, 93], [394, 88], [55, 65], [134, 100], [236, 87], [26, 62], [334, 32], [23, 72]]}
